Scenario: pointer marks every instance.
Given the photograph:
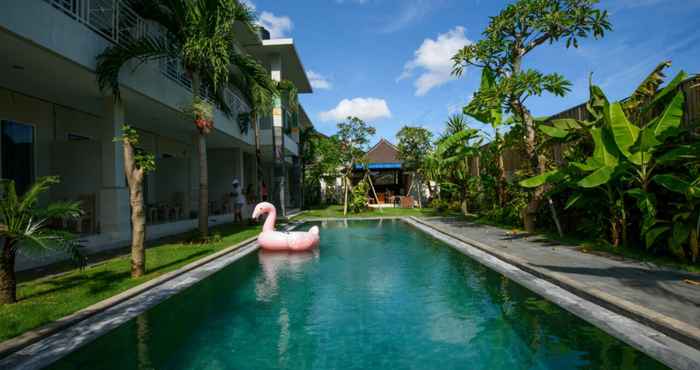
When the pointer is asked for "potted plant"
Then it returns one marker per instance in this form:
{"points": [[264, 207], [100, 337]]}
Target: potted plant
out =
{"points": [[202, 113]]}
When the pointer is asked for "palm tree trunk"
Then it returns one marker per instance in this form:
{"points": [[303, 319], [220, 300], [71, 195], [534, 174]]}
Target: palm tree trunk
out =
{"points": [[8, 280], [258, 157], [203, 186], [134, 178], [694, 244], [138, 231], [203, 168]]}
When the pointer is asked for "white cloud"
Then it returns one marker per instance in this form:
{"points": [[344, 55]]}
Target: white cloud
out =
{"points": [[278, 26], [352, 1], [434, 58], [363, 108], [318, 81], [249, 3]]}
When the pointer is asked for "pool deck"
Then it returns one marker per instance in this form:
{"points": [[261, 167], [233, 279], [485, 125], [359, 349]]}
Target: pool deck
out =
{"points": [[657, 297]]}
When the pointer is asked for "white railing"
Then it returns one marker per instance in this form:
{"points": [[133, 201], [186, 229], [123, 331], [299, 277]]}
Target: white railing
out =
{"points": [[113, 19], [117, 21]]}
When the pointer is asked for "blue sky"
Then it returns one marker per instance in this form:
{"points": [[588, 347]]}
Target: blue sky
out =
{"points": [[388, 60]]}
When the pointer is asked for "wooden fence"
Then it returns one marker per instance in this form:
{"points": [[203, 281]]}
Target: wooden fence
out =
{"points": [[514, 160]]}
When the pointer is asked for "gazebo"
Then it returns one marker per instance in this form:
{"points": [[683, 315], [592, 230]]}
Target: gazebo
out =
{"points": [[386, 170]]}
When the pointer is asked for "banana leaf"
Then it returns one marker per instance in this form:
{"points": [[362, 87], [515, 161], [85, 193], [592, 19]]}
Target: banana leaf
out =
{"points": [[624, 132]]}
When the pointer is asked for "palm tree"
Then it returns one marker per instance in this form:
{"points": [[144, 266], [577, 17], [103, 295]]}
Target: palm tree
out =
{"points": [[255, 83], [198, 33], [23, 226]]}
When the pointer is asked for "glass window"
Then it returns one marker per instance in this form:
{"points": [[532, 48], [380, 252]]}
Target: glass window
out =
{"points": [[18, 154]]}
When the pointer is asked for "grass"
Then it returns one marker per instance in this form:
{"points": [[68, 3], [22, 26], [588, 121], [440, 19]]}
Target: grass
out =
{"points": [[47, 299], [336, 211]]}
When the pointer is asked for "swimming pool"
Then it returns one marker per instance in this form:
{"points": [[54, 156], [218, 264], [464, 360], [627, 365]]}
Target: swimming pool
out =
{"points": [[376, 295]]}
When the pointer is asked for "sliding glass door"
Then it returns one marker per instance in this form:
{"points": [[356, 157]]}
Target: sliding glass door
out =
{"points": [[17, 154]]}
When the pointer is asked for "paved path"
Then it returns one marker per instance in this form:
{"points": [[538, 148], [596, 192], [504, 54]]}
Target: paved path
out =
{"points": [[656, 296]]}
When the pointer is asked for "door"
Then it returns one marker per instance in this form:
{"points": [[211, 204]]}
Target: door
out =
{"points": [[17, 145]]}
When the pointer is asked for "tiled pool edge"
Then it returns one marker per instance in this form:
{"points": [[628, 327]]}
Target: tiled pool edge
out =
{"points": [[21, 352], [664, 348], [667, 325]]}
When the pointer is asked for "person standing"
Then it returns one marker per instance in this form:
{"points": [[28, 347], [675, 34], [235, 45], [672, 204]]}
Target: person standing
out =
{"points": [[238, 201]]}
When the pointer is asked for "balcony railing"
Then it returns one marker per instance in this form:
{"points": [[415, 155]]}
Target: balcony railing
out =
{"points": [[119, 23]]}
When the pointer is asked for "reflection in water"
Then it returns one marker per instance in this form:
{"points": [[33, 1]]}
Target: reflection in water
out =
{"points": [[384, 297], [142, 338], [276, 265]]}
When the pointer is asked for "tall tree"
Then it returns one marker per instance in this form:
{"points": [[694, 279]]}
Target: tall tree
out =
{"points": [[489, 111], [516, 31], [137, 164], [415, 143], [24, 228], [353, 136], [256, 84], [200, 34]]}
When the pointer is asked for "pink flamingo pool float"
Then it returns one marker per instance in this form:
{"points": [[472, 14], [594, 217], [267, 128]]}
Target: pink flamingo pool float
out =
{"points": [[272, 240]]}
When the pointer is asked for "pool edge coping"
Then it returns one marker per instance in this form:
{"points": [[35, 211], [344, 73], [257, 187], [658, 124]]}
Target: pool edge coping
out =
{"points": [[606, 301], [13, 345]]}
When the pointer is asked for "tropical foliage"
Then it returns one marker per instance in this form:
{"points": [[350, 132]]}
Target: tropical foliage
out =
{"points": [[200, 36], [137, 163], [510, 36], [640, 156], [24, 228]]}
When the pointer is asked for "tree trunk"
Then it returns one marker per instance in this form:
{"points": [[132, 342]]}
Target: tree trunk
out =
{"points": [[138, 229], [694, 244], [134, 178], [258, 157], [203, 187], [8, 281], [614, 232], [501, 181], [345, 202], [203, 168], [537, 162]]}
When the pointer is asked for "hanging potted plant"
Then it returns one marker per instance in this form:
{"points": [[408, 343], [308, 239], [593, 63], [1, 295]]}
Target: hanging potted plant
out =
{"points": [[202, 114]]}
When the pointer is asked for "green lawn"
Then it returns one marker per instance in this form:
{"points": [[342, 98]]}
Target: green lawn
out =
{"points": [[336, 211], [44, 300]]}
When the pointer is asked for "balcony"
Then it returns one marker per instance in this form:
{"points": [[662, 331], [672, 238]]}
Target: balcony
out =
{"points": [[76, 31]]}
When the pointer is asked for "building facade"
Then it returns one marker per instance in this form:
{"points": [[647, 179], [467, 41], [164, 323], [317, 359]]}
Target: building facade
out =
{"points": [[54, 120]]}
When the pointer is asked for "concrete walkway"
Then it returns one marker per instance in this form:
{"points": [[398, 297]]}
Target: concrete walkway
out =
{"points": [[655, 296]]}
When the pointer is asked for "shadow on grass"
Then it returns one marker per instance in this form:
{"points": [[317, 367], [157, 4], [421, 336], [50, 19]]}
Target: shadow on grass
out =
{"points": [[103, 281]]}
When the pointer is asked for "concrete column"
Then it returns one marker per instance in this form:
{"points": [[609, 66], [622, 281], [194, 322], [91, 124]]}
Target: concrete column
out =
{"points": [[239, 166], [114, 195]]}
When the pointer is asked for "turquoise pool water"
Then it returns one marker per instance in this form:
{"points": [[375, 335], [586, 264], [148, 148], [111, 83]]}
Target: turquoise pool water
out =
{"points": [[376, 295]]}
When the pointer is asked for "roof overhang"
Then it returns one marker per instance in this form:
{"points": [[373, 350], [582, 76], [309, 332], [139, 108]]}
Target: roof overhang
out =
{"points": [[292, 68], [304, 120]]}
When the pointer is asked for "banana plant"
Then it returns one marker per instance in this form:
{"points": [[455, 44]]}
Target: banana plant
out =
{"points": [[624, 152], [686, 219], [454, 151]]}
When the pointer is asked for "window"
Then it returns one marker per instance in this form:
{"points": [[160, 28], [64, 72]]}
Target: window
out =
{"points": [[18, 154]]}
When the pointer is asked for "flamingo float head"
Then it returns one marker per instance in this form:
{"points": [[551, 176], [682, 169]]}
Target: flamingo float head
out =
{"points": [[262, 208]]}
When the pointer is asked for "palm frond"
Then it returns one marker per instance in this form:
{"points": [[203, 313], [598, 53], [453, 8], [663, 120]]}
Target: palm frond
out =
{"points": [[31, 197], [60, 210], [113, 58]]}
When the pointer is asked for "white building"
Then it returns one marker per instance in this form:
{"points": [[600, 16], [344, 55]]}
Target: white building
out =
{"points": [[55, 121]]}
